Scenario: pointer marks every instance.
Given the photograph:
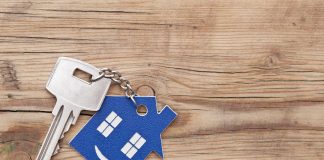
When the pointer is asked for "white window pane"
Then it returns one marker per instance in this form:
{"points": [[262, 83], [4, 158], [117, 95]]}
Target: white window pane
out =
{"points": [[107, 131], [135, 138], [116, 121], [131, 152], [111, 117], [102, 126], [126, 148], [140, 143]]}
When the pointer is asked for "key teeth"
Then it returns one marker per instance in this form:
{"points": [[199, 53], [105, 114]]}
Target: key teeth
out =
{"points": [[67, 127], [58, 146], [65, 130], [62, 136], [56, 149]]}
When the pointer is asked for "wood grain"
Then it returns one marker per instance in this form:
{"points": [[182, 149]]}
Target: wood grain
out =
{"points": [[246, 77]]}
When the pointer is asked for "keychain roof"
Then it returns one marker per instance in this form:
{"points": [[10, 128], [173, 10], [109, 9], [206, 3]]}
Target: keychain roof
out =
{"points": [[118, 132]]}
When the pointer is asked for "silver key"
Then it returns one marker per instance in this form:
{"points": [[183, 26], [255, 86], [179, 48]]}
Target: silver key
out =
{"points": [[73, 95]]}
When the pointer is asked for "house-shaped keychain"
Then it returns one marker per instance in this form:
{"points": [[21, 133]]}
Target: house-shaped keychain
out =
{"points": [[118, 132]]}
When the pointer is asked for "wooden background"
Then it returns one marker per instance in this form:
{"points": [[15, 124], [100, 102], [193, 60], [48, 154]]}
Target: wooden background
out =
{"points": [[245, 76]]}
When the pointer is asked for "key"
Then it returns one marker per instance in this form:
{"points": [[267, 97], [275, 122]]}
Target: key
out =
{"points": [[73, 95]]}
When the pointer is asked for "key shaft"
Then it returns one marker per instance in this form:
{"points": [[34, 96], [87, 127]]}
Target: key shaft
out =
{"points": [[61, 122]]}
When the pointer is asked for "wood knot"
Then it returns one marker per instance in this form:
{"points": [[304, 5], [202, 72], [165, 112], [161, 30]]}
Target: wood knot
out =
{"points": [[8, 75], [20, 141], [273, 59], [145, 90], [22, 7], [20, 155]]}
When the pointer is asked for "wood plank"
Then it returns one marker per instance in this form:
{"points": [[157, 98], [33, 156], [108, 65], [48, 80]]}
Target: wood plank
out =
{"points": [[246, 77], [227, 132]]}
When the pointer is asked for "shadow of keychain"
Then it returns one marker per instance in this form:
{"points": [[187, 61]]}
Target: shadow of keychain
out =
{"points": [[118, 130]]}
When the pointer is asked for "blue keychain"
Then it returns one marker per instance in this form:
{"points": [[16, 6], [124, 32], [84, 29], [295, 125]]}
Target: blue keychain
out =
{"points": [[118, 132]]}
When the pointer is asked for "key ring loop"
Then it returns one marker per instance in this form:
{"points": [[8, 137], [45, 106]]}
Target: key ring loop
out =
{"points": [[130, 93], [116, 77], [101, 75]]}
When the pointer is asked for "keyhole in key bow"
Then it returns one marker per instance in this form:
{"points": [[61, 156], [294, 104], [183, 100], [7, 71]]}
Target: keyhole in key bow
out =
{"points": [[82, 75], [141, 110]]}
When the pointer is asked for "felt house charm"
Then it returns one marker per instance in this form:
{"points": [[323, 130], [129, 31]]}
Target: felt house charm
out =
{"points": [[118, 132]]}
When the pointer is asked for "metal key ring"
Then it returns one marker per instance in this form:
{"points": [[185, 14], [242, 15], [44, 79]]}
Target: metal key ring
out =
{"points": [[101, 75], [116, 77]]}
